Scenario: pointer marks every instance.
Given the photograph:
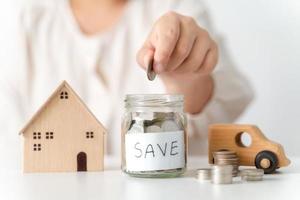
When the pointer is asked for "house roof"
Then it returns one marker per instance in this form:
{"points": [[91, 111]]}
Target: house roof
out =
{"points": [[40, 110]]}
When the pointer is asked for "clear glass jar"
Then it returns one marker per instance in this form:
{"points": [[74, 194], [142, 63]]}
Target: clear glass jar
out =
{"points": [[154, 139]]}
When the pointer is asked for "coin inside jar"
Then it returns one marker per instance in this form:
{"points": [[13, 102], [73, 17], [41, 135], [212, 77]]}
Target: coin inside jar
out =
{"points": [[150, 71], [158, 122]]}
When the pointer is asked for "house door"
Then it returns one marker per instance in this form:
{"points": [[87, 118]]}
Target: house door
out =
{"points": [[81, 162]]}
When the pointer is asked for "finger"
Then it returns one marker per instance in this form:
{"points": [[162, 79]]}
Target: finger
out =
{"points": [[144, 55], [196, 56], [210, 60], [184, 44], [164, 38]]}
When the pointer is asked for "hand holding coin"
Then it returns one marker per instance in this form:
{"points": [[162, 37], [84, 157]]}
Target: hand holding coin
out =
{"points": [[183, 55], [178, 45]]}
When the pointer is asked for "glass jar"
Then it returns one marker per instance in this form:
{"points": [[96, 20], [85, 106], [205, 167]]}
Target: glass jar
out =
{"points": [[154, 139]]}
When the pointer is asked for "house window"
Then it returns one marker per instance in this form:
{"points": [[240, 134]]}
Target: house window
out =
{"points": [[90, 134], [37, 147], [64, 95], [49, 135], [36, 135]]}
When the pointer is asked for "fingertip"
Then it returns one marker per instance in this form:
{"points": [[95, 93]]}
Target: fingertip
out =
{"points": [[148, 56], [144, 56]]}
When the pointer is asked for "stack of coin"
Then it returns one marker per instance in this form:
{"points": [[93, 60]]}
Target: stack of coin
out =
{"points": [[222, 174], [252, 174], [204, 174], [227, 158]]}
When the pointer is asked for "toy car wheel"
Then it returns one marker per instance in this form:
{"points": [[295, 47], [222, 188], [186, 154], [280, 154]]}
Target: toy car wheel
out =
{"points": [[267, 161]]}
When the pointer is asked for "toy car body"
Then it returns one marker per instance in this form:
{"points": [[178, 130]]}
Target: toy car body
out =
{"points": [[262, 152]]}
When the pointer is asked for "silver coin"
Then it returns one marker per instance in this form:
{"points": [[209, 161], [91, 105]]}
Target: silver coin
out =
{"points": [[233, 160], [204, 170], [252, 178], [153, 129], [252, 172], [164, 115], [226, 157], [222, 168], [150, 71], [221, 178], [225, 163], [224, 152], [204, 174], [221, 174], [169, 125], [137, 127]]}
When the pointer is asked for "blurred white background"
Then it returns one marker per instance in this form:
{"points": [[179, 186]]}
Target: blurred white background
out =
{"points": [[264, 40]]}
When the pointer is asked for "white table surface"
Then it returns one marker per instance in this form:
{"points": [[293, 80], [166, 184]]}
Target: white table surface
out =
{"points": [[113, 184]]}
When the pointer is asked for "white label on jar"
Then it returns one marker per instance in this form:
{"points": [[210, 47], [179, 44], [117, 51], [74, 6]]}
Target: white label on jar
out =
{"points": [[154, 151]]}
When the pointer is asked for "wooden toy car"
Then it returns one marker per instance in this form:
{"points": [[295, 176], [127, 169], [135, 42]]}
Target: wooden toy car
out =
{"points": [[262, 153]]}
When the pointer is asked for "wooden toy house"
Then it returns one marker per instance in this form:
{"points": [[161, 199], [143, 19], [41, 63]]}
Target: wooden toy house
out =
{"points": [[63, 136]]}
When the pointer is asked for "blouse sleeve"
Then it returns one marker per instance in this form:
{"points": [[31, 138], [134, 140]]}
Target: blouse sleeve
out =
{"points": [[14, 76], [232, 91]]}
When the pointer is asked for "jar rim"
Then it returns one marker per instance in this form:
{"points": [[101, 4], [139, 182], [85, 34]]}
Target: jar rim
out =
{"points": [[167, 97], [154, 100]]}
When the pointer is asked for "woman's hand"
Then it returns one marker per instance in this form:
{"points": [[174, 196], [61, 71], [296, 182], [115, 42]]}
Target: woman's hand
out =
{"points": [[184, 56]]}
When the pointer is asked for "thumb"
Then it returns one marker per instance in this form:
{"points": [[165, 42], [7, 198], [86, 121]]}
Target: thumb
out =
{"points": [[144, 55]]}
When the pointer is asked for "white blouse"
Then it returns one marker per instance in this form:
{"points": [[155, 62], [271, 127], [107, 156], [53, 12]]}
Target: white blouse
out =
{"points": [[52, 48]]}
